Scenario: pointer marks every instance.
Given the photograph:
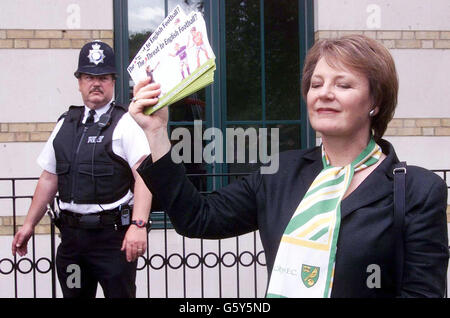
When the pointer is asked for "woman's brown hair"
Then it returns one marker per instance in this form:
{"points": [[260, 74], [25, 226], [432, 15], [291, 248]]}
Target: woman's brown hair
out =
{"points": [[364, 55]]}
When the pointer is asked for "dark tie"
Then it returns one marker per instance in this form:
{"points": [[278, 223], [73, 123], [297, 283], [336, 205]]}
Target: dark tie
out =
{"points": [[90, 119]]}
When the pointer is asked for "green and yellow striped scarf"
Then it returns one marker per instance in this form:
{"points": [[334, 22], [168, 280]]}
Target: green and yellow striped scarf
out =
{"points": [[304, 265]]}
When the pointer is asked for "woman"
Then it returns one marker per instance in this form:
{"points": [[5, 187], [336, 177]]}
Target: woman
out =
{"points": [[326, 217]]}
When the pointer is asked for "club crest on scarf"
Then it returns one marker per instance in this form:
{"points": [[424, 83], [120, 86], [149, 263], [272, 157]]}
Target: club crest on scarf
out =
{"points": [[310, 275]]}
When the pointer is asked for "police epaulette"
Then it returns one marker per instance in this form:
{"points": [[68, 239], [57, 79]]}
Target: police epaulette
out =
{"points": [[66, 113], [62, 116]]}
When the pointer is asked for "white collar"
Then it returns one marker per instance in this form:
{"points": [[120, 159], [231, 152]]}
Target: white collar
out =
{"points": [[98, 112]]}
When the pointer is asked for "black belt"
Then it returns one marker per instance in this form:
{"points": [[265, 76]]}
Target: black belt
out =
{"points": [[100, 220]]}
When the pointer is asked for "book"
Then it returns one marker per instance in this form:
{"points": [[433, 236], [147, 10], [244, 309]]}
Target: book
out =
{"points": [[178, 56]]}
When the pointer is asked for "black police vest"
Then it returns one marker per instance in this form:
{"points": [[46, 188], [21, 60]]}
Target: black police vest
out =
{"points": [[88, 170]]}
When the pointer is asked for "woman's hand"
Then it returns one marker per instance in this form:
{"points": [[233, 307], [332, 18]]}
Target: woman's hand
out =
{"points": [[155, 125], [146, 95]]}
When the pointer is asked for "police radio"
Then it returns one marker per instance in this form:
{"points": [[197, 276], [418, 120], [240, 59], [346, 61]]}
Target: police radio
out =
{"points": [[105, 119]]}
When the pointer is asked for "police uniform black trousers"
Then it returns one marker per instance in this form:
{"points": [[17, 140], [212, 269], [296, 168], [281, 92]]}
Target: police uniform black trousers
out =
{"points": [[86, 257]]}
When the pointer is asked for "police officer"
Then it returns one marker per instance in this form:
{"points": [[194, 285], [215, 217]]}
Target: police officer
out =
{"points": [[90, 159]]}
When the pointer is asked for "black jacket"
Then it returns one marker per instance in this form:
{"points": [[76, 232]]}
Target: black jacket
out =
{"points": [[267, 202]]}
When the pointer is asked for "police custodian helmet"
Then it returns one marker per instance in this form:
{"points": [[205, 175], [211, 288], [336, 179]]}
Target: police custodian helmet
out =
{"points": [[96, 58]]}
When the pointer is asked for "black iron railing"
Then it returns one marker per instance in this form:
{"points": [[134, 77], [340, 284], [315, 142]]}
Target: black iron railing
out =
{"points": [[162, 264]]}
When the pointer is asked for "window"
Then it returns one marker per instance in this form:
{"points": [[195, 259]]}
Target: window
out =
{"points": [[259, 47]]}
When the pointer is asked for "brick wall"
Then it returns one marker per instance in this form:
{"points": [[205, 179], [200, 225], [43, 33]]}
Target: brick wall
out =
{"points": [[23, 132], [419, 127], [398, 39], [51, 39], [7, 224]]}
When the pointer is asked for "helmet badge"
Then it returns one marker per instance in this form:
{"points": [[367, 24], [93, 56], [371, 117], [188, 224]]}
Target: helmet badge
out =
{"points": [[96, 55]]}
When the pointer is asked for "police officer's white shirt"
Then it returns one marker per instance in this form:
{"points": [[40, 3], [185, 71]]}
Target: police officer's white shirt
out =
{"points": [[129, 142]]}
